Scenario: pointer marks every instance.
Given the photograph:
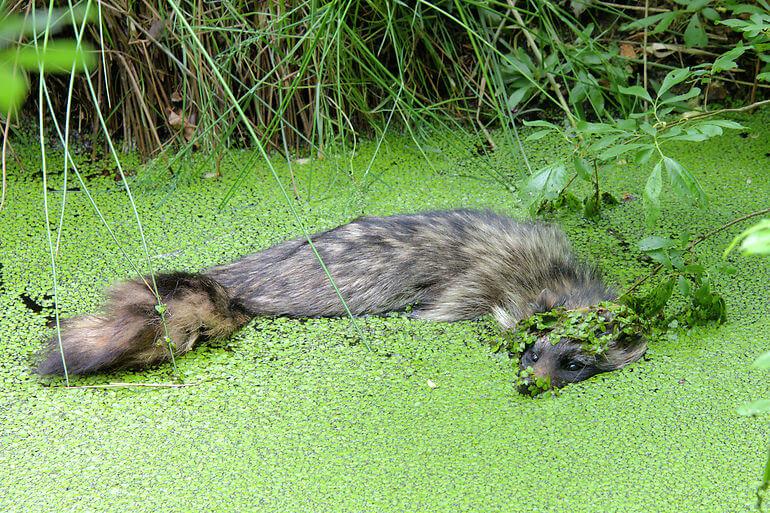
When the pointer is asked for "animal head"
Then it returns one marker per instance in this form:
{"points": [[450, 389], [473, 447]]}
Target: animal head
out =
{"points": [[567, 346], [568, 361]]}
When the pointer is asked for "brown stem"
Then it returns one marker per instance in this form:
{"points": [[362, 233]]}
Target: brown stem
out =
{"points": [[726, 226], [644, 8], [140, 95], [745, 108]]}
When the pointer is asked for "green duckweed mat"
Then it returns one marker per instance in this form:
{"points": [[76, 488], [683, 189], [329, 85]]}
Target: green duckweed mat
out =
{"points": [[297, 415]]}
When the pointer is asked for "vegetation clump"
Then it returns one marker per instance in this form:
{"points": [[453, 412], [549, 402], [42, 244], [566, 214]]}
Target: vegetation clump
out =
{"points": [[594, 328]]}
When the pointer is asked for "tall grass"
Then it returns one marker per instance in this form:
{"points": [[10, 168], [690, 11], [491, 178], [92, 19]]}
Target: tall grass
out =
{"points": [[305, 74], [310, 74]]}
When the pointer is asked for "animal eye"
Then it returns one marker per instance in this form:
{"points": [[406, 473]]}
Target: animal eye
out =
{"points": [[534, 356], [573, 366]]}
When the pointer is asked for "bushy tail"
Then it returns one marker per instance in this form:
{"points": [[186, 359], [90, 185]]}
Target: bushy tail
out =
{"points": [[131, 332]]}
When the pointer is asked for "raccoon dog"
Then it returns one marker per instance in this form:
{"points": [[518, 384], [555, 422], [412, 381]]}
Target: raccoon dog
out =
{"points": [[447, 266]]}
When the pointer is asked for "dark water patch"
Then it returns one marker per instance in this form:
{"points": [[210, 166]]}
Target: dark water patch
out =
{"points": [[40, 307]]}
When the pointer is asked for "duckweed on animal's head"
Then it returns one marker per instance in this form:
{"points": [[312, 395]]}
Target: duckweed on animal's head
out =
{"points": [[563, 346]]}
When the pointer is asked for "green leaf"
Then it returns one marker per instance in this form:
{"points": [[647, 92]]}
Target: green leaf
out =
{"points": [[536, 136], [654, 302], [693, 5], [573, 202], [734, 23], [516, 97], [757, 243], [695, 35], [604, 142], [754, 240], [643, 156], [637, 91], [692, 93], [588, 128], [14, 88], [551, 62], [541, 123], [583, 169], [518, 65], [648, 129], [691, 136], [58, 57], [596, 98], [710, 14], [694, 269], [629, 125], [683, 284], [755, 408], [684, 183], [665, 22], [675, 258], [673, 78], [619, 149], [707, 305], [652, 192], [709, 129], [762, 361], [666, 17], [726, 61], [765, 77], [724, 123], [591, 207], [725, 268], [748, 8], [548, 182], [655, 242], [578, 93]]}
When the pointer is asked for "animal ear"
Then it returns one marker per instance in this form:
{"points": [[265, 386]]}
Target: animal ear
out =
{"points": [[545, 301], [625, 350]]}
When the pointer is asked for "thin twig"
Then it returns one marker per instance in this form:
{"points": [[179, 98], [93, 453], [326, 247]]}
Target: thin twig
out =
{"points": [[745, 108], [673, 48], [726, 226], [137, 385], [5, 149], [644, 8]]}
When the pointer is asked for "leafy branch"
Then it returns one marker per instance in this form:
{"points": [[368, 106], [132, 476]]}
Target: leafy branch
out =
{"points": [[694, 243], [597, 145], [687, 275]]}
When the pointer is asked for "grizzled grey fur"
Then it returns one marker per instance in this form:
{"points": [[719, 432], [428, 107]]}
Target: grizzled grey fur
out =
{"points": [[448, 266], [454, 265]]}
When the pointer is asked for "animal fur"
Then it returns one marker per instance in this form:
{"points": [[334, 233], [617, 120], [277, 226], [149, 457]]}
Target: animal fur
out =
{"points": [[448, 266]]}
